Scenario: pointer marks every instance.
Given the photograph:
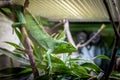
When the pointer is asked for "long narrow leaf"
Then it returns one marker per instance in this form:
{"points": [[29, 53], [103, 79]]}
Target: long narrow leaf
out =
{"points": [[11, 70], [19, 34], [91, 66], [11, 55], [80, 60], [102, 57], [79, 71], [13, 44], [61, 36], [13, 73]]}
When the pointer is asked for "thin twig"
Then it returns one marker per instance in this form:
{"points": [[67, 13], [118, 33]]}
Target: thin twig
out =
{"points": [[57, 25], [86, 43], [69, 36], [68, 33], [111, 19], [118, 14]]}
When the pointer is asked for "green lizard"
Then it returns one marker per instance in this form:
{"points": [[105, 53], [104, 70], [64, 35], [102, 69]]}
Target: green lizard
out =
{"points": [[39, 36]]}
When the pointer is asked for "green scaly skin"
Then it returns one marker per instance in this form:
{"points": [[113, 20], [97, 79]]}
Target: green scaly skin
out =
{"points": [[40, 37]]}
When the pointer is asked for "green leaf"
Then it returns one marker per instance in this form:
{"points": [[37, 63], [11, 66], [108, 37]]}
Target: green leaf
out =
{"points": [[26, 70], [12, 70], [44, 21], [79, 71], [41, 66], [43, 77], [115, 74], [102, 57], [14, 56], [91, 66], [60, 68], [56, 59], [19, 35], [82, 60], [38, 52], [13, 74], [55, 36], [6, 10], [14, 45], [64, 47], [61, 36]]}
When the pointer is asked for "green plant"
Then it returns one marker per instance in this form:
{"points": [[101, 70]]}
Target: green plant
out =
{"points": [[43, 57], [61, 69]]}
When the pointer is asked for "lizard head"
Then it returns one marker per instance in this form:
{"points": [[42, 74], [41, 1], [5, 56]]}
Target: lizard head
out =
{"points": [[64, 47]]}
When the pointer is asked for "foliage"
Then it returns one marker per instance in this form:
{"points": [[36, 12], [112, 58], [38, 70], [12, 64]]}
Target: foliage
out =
{"points": [[69, 69], [60, 69]]}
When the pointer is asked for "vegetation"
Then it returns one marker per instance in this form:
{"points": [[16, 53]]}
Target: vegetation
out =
{"points": [[62, 68], [36, 64]]}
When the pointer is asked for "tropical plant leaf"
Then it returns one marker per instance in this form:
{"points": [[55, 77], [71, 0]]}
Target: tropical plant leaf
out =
{"points": [[55, 35], [80, 60], [44, 77], [11, 70], [56, 59], [6, 10], [13, 56], [102, 57], [25, 71], [91, 66], [60, 69], [115, 74], [44, 22], [38, 52], [13, 74], [41, 66], [19, 35], [61, 36], [79, 71], [13, 44]]}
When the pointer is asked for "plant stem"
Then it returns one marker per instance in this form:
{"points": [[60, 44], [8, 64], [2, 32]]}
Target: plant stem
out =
{"points": [[111, 19], [112, 61], [115, 47], [117, 14], [28, 48], [68, 33], [29, 52]]}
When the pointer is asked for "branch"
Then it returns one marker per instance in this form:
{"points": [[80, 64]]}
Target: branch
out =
{"points": [[68, 33], [26, 42], [69, 36], [29, 52], [57, 25], [86, 43], [26, 4], [111, 19], [118, 14], [115, 46], [27, 45]]}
